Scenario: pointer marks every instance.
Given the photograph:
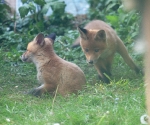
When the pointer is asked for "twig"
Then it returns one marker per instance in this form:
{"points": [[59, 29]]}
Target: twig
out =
{"points": [[54, 97]]}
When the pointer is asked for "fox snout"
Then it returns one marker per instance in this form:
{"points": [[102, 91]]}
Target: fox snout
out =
{"points": [[23, 58], [90, 61], [91, 58]]}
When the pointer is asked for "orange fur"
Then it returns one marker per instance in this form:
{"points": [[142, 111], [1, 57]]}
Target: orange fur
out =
{"points": [[99, 43], [52, 71]]}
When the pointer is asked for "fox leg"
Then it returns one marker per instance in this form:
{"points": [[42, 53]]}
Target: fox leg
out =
{"points": [[103, 70], [37, 91], [44, 88], [104, 75], [124, 53]]}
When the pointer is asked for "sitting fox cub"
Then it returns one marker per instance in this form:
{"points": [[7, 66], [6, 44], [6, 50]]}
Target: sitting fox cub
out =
{"points": [[99, 43], [52, 71]]}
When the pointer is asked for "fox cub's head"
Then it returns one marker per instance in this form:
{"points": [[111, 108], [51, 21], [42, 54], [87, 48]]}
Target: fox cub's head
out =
{"points": [[93, 43], [36, 47]]}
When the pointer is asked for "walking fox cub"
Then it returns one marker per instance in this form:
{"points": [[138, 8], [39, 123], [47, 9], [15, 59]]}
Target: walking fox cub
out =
{"points": [[99, 43], [52, 71]]}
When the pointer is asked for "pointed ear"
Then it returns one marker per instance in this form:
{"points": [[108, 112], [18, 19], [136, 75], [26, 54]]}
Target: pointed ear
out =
{"points": [[52, 36], [100, 35], [39, 39], [82, 32]]}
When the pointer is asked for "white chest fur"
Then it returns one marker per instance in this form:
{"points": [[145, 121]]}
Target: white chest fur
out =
{"points": [[40, 76]]}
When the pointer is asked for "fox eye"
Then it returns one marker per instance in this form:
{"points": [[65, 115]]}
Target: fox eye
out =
{"points": [[96, 50], [86, 50]]}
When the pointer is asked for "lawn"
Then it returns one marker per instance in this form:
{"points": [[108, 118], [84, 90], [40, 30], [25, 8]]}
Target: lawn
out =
{"points": [[122, 102]]}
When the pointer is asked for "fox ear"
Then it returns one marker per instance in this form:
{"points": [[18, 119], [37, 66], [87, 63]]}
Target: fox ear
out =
{"points": [[100, 35], [52, 36], [39, 39], [82, 32]]}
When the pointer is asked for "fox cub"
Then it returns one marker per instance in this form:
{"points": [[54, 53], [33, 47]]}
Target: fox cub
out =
{"points": [[99, 43], [53, 72]]}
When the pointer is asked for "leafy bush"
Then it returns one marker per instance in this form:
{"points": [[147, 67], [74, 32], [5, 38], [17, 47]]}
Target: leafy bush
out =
{"points": [[100, 8], [4, 18], [4, 12], [125, 23], [63, 48], [38, 21], [33, 21]]}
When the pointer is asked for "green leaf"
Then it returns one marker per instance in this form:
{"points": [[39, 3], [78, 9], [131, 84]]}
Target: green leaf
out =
{"points": [[24, 1], [58, 7], [45, 8], [23, 11], [113, 19], [32, 7], [40, 2]]}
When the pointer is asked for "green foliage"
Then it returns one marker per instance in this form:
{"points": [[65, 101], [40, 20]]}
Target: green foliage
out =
{"points": [[100, 8], [63, 48], [38, 21], [4, 12], [4, 17], [125, 23], [16, 33]]}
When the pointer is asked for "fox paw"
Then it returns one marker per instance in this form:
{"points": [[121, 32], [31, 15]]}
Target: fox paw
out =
{"points": [[35, 92]]}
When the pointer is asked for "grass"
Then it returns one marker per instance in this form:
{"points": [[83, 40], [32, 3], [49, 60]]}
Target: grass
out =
{"points": [[122, 102]]}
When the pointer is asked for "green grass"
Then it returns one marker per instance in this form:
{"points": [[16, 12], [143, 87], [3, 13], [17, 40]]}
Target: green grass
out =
{"points": [[122, 102]]}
